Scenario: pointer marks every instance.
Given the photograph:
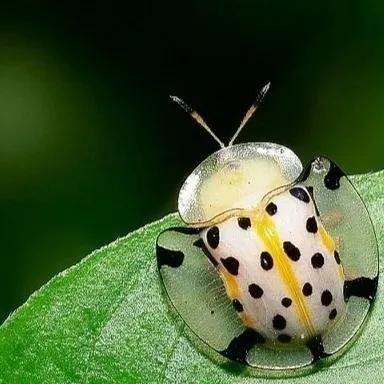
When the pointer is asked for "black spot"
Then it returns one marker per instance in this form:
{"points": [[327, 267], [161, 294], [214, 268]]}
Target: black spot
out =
{"points": [[332, 314], [213, 237], [199, 243], [169, 257], [279, 322], [244, 222], [284, 338], [231, 264], [315, 345], [361, 287], [311, 225], [292, 252], [286, 302], [255, 291], [300, 194], [238, 348], [310, 190], [212, 312], [317, 260], [266, 261], [237, 305], [271, 209], [326, 298], [337, 257], [307, 289], [332, 178]]}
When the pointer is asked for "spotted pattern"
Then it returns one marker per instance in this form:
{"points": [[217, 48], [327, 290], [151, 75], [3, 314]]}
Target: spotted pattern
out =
{"points": [[337, 257], [300, 194], [317, 260], [271, 209], [333, 314], [249, 250], [213, 237], [279, 322], [244, 222], [291, 251], [255, 291], [286, 302], [306, 255], [266, 261], [231, 265], [307, 289], [326, 298], [237, 305], [311, 225]]}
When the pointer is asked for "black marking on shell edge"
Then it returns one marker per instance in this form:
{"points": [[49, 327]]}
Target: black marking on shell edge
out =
{"points": [[315, 345], [173, 258], [361, 287], [169, 257], [310, 190], [306, 172], [199, 243], [239, 347], [332, 178], [186, 230]]}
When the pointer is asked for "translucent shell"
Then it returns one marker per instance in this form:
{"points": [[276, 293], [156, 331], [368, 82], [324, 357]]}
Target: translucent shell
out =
{"points": [[235, 177], [240, 177]]}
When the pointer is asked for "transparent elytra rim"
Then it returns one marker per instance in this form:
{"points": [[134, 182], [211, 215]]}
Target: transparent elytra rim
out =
{"points": [[235, 177], [355, 229]]}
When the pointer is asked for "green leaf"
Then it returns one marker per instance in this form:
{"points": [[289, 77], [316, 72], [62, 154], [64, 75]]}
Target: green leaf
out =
{"points": [[105, 320]]}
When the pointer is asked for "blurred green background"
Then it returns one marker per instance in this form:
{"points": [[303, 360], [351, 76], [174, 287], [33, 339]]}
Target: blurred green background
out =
{"points": [[92, 148]]}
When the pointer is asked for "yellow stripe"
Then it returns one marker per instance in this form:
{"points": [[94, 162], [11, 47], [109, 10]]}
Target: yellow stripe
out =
{"points": [[330, 246], [266, 231], [246, 320], [230, 284], [327, 240]]}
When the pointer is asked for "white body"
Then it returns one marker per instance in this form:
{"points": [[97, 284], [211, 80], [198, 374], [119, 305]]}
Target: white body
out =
{"points": [[305, 314]]}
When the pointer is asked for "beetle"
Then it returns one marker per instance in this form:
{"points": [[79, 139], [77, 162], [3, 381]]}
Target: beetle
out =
{"points": [[277, 266]]}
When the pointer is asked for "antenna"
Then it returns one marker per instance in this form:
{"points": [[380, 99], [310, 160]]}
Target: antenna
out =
{"points": [[196, 117], [250, 112]]}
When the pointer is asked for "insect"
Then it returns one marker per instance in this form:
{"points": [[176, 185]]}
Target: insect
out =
{"points": [[277, 266]]}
